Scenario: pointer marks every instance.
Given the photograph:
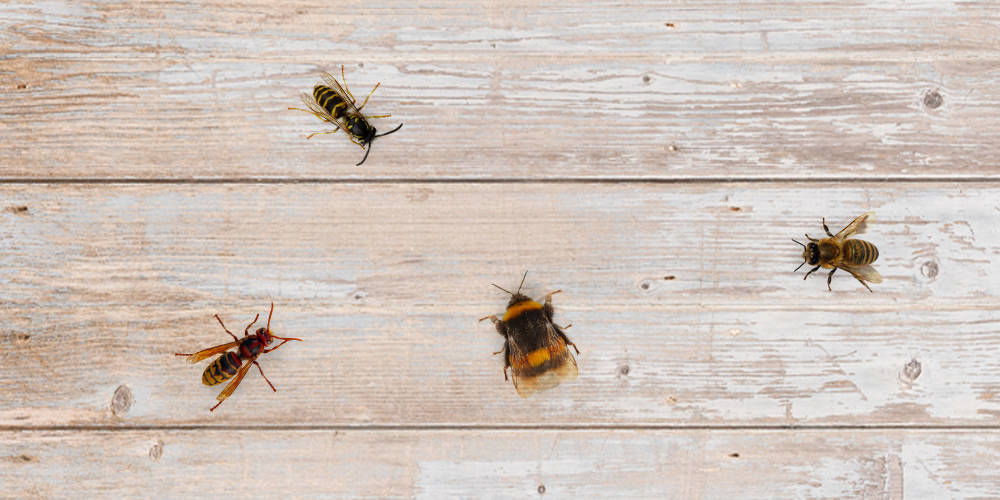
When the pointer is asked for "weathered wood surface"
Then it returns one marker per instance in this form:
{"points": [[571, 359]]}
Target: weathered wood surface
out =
{"points": [[503, 90], [385, 282], [830, 464]]}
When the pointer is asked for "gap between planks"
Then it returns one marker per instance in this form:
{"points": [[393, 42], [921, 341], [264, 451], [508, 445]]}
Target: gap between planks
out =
{"points": [[504, 428], [519, 180]]}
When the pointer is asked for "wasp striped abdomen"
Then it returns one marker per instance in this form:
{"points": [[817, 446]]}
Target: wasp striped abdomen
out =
{"points": [[859, 252], [330, 101], [222, 369]]}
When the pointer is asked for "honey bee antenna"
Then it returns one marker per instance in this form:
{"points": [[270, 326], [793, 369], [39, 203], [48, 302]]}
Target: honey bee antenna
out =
{"points": [[800, 265], [391, 131], [498, 286], [797, 241], [522, 282]]}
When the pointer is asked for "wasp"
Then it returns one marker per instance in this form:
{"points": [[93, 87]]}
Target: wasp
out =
{"points": [[840, 251], [235, 364], [534, 346], [335, 104]]}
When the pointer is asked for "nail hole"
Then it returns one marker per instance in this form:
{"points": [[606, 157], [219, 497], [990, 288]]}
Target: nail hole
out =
{"points": [[121, 401], [361, 65], [156, 451], [645, 78], [644, 285], [734, 455], [911, 371], [668, 277], [933, 99], [624, 370], [669, 25], [26, 458], [541, 489], [929, 269], [359, 295], [22, 85], [735, 209]]}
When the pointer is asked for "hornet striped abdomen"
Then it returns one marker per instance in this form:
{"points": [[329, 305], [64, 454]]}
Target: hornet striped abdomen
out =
{"points": [[222, 369], [859, 253]]}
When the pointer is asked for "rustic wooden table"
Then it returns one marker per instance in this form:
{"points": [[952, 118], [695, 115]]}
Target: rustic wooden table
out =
{"points": [[653, 163]]}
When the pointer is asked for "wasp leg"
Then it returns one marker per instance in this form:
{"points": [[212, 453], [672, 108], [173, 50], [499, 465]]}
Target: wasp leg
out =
{"points": [[265, 376], [369, 96], [246, 331], [830, 277], [810, 272], [377, 116], [334, 131], [224, 327], [344, 78], [828, 233], [216, 406]]}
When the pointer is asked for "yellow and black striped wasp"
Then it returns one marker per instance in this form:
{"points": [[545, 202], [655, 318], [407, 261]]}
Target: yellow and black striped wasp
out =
{"points": [[236, 364], [335, 104]]}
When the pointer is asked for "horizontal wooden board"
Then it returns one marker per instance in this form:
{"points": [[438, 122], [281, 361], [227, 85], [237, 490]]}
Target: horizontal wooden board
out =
{"points": [[682, 299], [168, 90], [500, 464]]}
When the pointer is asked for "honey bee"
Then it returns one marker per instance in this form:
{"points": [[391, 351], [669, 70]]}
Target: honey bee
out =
{"points": [[840, 251]]}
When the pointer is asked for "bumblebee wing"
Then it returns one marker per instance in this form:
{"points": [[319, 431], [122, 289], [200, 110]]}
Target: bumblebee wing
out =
{"points": [[544, 368], [228, 391], [857, 226], [211, 351], [865, 273], [320, 113], [331, 81]]}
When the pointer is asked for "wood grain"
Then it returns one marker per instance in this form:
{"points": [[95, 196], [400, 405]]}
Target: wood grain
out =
{"points": [[385, 282], [501, 464], [699, 90]]}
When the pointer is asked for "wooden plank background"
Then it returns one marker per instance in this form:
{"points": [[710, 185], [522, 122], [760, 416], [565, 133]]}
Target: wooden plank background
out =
{"points": [[650, 162]]}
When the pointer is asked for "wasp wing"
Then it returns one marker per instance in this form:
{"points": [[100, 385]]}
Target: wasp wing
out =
{"points": [[857, 226], [228, 391], [545, 368], [211, 351], [321, 113], [331, 81]]}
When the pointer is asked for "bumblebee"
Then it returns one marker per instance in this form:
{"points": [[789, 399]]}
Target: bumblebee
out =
{"points": [[335, 104], [534, 347], [840, 251]]}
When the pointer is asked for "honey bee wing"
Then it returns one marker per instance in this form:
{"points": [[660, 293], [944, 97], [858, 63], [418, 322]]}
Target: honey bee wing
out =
{"points": [[857, 226], [332, 82], [318, 110], [866, 273], [211, 351], [228, 391]]}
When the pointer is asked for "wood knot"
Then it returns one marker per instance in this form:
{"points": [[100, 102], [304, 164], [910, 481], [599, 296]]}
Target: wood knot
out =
{"points": [[21, 338], [22, 86], [156, 451], [929, 269], [624, 370], [646, 78], [933, 100], [644, 285], [121, 401], [911, 371], [541, 489]]}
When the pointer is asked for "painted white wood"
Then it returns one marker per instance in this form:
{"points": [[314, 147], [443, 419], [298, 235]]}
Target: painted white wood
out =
{"points": [[831, 464], [502, 90], [385, 284]]}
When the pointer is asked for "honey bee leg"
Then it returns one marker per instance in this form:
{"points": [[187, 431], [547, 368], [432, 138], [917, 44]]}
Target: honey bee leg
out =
{"points": [[830, 277], [246, 331], [811, 238], [863, 283], [810, 272], [828, 233], [265, 376], [224, 327]]}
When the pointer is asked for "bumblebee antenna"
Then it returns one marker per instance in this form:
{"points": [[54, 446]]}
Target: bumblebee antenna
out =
{"points": [[498, 286], [522, 282], [391, 131]]}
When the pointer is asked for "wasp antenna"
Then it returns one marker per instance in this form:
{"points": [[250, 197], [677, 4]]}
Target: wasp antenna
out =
{"points": [[369, 150], [522, 282], [800, 265], [498, 286], [391, 131], [797, 241]]}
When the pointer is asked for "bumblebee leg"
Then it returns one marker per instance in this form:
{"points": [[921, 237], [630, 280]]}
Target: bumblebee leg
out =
{"points": [[567, 340], [826, 228], [265, 376], [334, 131], [366, 98], [246, 331], [547, 305], [224, 327], [506, 359], [830, 277], [492, 317], [810, 272]]}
